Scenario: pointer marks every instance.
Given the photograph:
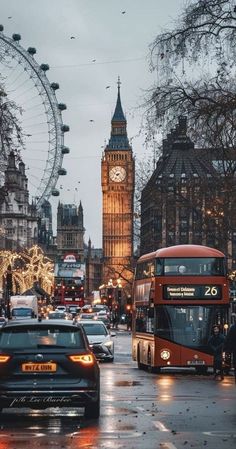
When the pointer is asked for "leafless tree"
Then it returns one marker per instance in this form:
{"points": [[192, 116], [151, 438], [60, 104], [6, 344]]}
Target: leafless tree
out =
{"points": [[10, 128], [195, 63]]}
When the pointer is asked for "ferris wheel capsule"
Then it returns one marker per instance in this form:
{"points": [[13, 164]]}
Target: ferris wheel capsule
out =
{"points": [[62, 172], [16, 37], [54, 86], [62, 106], [55, 192], [65, 150], [65, 128], [44, 67], [31, 51]]}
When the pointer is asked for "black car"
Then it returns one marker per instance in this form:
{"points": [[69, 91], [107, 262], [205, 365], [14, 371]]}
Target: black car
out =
{"points": [[48, 363]]}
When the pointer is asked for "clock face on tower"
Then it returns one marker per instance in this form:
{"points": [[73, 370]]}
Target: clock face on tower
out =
{"points": [[117, 174]]}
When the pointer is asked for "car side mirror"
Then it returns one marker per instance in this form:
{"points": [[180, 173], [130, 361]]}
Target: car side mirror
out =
{"points": [[113, 334]]}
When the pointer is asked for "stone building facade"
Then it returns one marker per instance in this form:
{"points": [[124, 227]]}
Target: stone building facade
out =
{"points": [[18, 218]]}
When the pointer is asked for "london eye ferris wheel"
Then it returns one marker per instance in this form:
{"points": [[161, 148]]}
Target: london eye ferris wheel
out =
{"points": [[25, 83]]}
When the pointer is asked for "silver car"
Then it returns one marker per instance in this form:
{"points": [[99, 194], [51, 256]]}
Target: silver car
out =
{"points": [[100, 339], [3, 320]]}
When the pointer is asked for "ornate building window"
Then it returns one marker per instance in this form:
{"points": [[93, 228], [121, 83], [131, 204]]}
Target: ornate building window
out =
{"points": [[69, 239]]}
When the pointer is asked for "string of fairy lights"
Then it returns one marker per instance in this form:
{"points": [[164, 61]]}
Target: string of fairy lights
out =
{"points": [[28, 267]]}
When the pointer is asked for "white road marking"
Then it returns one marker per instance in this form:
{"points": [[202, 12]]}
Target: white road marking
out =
{"points": [[167, 446], [160, 426], [141, 409], [220, 433]]}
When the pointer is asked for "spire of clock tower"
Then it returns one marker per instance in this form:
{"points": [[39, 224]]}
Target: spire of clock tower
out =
{"points": [[118, 140], [118, 115]]}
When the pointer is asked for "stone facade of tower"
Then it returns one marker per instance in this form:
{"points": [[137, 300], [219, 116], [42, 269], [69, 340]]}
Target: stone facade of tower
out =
{"points": [[117, 175], [70, 231]]}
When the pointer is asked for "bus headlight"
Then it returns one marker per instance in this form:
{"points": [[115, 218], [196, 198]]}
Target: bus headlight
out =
{"points": [[165, 354]]}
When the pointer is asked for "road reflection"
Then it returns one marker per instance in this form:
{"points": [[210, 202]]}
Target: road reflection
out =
{"points": [[23, 430]]}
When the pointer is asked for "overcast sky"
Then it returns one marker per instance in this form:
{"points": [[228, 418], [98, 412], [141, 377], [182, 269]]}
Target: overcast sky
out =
{"points": [[110, 39]]}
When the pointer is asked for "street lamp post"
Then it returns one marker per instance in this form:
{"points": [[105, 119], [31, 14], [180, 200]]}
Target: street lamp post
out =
{"points": [[8, 290]]}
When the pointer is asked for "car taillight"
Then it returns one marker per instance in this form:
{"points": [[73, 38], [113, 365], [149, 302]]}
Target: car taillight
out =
{"points": [[4, 358], [85, 359]]}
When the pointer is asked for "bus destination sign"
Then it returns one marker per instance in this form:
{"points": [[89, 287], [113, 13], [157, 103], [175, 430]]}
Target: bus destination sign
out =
{"points": [[192, 292]]}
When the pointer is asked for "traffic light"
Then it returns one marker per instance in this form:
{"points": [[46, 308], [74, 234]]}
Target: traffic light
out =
{"points": [[129, 300], [110, 292], [9, 279], [109, 296], [128, 304], [119, 295]]}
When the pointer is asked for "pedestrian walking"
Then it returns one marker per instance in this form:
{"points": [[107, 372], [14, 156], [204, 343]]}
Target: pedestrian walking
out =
{"points": [[230, 345], [216, 344], [129, 321], [115, 319]]}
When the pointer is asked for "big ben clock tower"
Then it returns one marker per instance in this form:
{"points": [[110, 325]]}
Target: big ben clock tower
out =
{"points": [[118, 193]]}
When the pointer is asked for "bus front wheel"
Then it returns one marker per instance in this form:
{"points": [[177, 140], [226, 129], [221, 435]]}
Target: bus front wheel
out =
{"points": [[140, 365], [201, 370], [151, 369]]}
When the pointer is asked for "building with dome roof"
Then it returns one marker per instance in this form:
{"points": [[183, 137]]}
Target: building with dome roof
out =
{"points": [[183, 201]]}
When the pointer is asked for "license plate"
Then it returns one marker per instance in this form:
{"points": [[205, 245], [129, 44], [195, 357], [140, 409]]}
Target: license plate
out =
{"points": [[195, 362], [39, 367]]}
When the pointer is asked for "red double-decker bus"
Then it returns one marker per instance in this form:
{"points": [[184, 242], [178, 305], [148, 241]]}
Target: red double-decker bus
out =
{"points": [[69, 292], [69, 282], [179, 293]]}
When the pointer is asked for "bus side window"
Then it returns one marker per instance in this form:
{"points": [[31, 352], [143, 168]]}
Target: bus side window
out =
{"points": [[159, 267]]}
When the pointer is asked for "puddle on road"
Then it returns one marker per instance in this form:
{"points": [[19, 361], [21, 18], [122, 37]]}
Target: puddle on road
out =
{"points": [[110, 410], [127, 383]]}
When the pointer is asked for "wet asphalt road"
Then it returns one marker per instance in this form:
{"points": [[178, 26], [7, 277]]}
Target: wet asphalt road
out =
{"points": [[172, 410]]}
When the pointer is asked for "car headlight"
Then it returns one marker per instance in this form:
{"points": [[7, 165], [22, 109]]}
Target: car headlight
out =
{"points": [[108, 344], [165, 354]]}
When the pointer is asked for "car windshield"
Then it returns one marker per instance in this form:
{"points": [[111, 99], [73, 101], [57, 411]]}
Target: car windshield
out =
{"points": [[87, 316], [22, 312], [55, 315], [94, 329], [100, 309], [38, 337]]}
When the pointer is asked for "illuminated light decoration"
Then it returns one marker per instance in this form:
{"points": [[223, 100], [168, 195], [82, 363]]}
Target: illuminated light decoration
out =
{"points": [[165, 354], [28, 267]]}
